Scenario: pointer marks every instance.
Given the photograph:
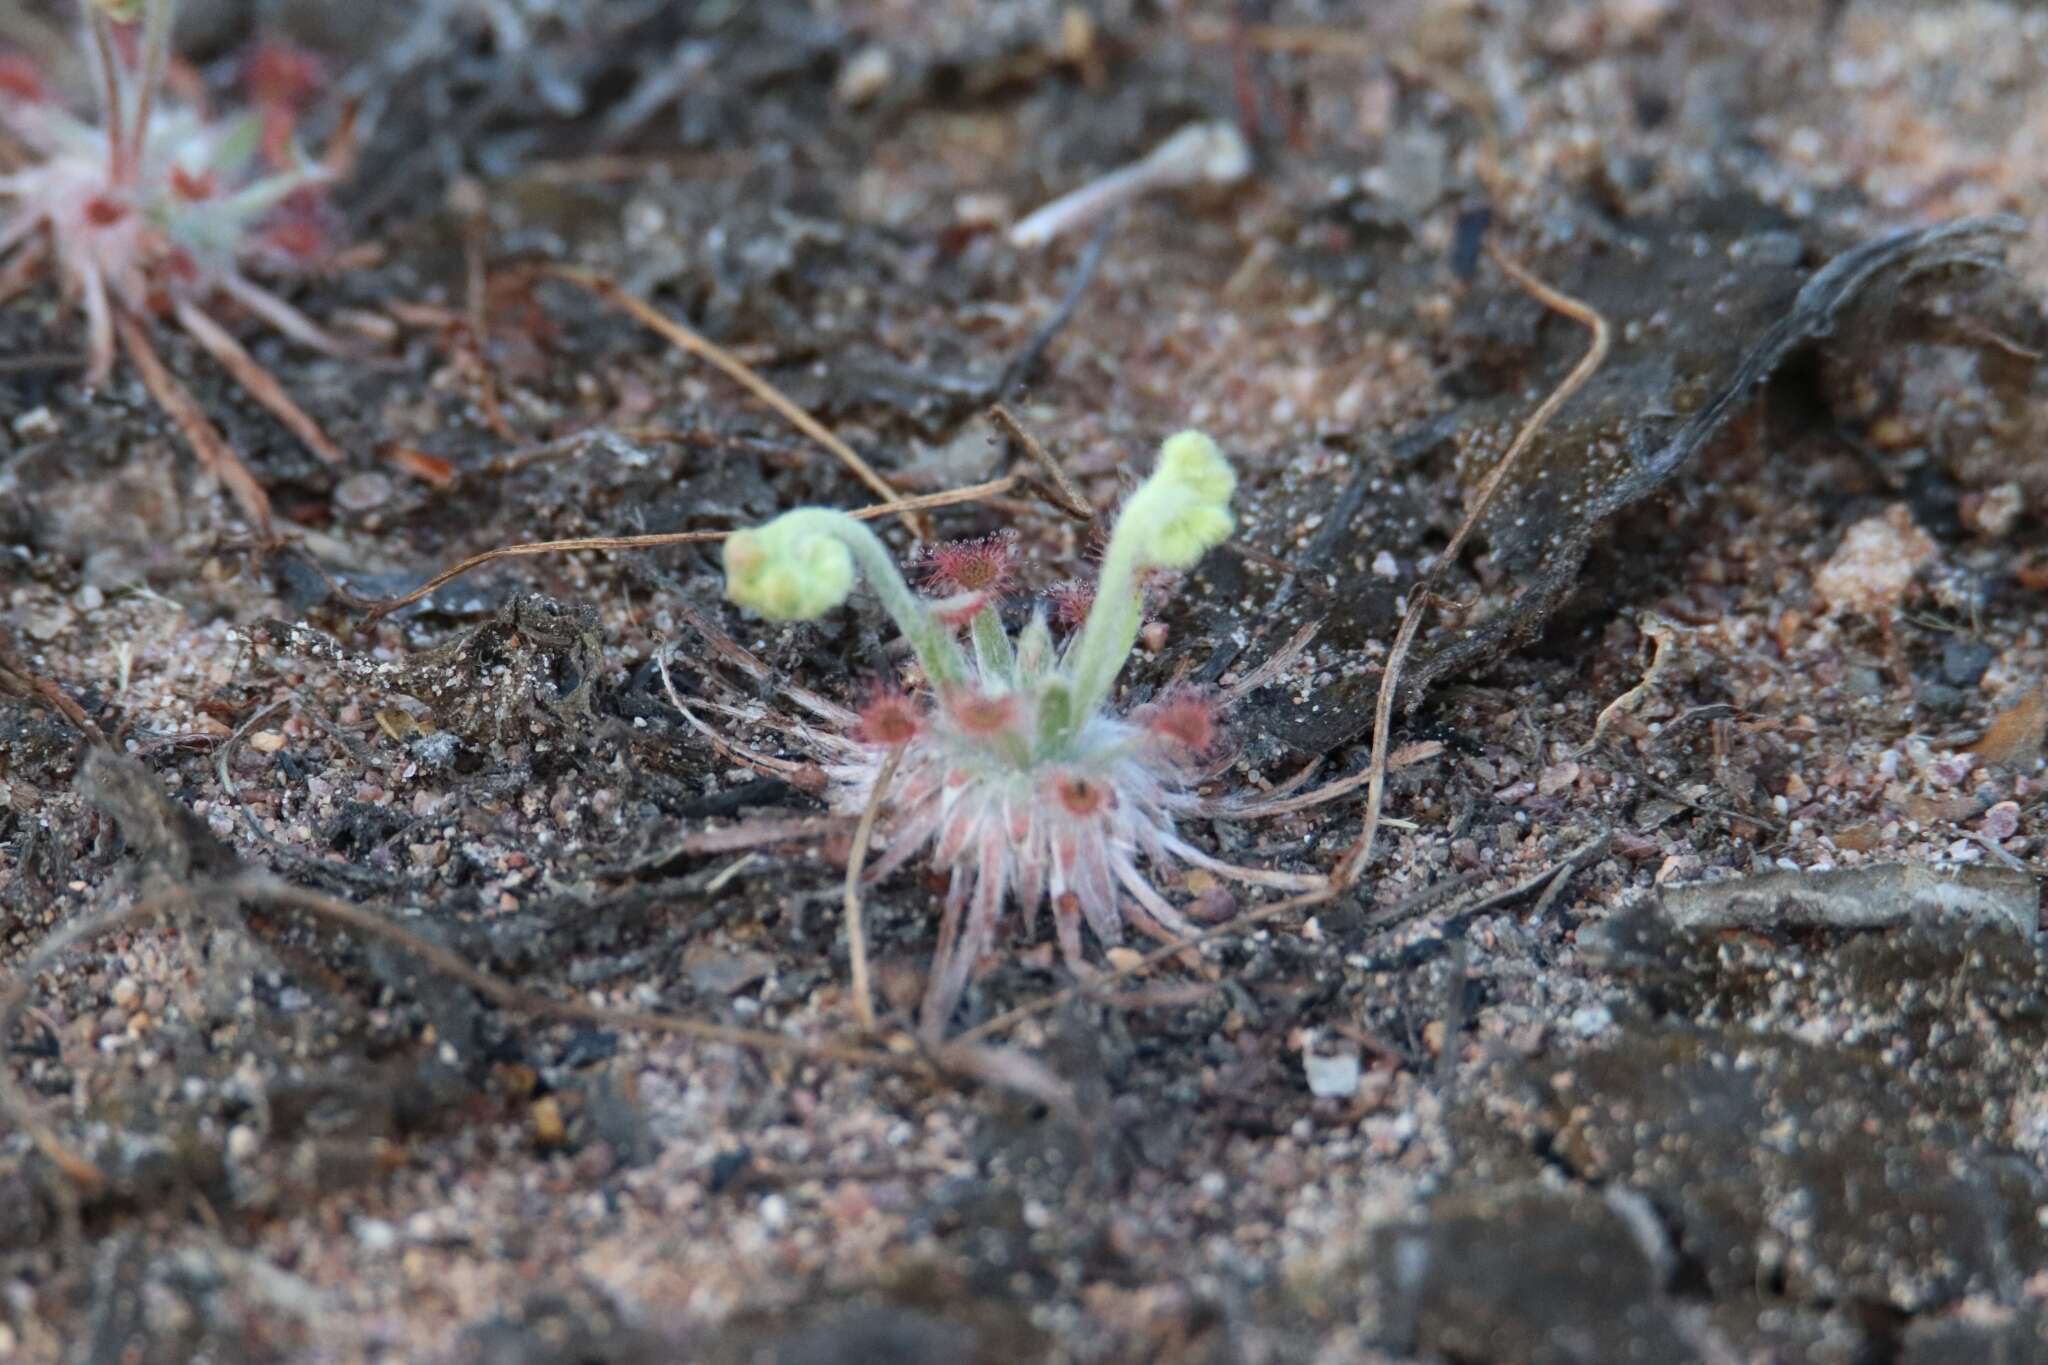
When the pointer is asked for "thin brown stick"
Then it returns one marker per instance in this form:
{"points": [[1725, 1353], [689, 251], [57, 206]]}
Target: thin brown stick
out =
{"points": [[477, 300], [14, 1102], [268, 890], [1066, 496], [259, 383], [856, 863], [199, 432], [973, 493], [1662, 634], [1354, 862], [1250, 919], [687, 339], [15, 671], [17, 1107], [1294, 39], [24, 266], [786, 769], [1276, 663]]}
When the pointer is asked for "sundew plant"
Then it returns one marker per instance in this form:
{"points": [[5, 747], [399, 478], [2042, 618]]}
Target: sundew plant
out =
{"points": [[156, 207], [1014, 768]]}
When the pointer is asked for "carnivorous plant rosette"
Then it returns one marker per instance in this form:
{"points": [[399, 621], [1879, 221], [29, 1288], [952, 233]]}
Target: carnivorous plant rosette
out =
{"points": [[159, 208], [1015, 770]]}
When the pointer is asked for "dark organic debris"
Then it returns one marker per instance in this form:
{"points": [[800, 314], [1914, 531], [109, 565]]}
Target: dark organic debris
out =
{"points": [[953, 1327], [533, 663], [166, 838], [1543, 1275], [579, 1325], [1646, 415], [1705, 307], [1783, 1163]]}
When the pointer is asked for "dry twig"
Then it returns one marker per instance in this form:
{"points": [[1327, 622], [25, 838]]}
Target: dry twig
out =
{"points": [[1354, 861], [14, 1102], [379, 610], [259, 383], [1310, 40], [1066, 496], [16, 674], [212, 448], [1026, 360], [687, 339], [788, 770], [1661, 633], [268, 890]]}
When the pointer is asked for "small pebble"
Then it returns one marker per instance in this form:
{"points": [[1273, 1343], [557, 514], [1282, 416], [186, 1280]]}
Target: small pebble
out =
{"points": [[2002, 821], [1876, 563], [45, 626], [1963, 662], [1993, 513], [375, 1236], [866, 74], [36, 424], [548, 1128], [266, 741], [1124, 959], [1590, 1021], [363, 492], [1333, 1077]]}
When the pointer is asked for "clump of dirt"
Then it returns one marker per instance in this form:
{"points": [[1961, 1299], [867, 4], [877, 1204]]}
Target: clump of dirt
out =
{"points": [[530, 667]]}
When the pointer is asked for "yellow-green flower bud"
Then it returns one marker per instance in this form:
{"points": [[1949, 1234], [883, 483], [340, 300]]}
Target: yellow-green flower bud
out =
{"points": [[1174, 518], [1183, 511], [1192, 461], [787, 571], [1184, 534]]}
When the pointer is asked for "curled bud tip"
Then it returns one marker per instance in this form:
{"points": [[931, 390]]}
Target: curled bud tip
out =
{"points": [[785, 572], [1183, 511], [1179, 541], [1194, 462]]}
